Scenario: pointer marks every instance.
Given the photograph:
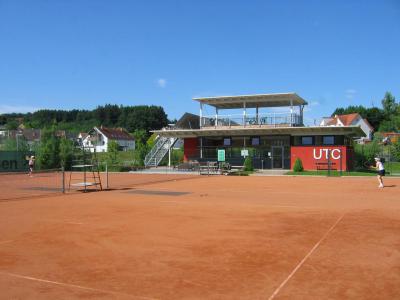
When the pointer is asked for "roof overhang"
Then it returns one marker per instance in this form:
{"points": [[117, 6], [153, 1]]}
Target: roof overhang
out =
{"points": [[252, 101], [351, 131]]}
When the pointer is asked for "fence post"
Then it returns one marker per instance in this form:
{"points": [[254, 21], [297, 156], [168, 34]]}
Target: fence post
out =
{"points": [[63, 179], [329, 162], [106, 175], [341, 162]]}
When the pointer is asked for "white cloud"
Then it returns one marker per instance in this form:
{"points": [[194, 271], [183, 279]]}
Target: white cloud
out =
{"points": [[350, 93], [314, 103], [162, 83], [6, 109]]}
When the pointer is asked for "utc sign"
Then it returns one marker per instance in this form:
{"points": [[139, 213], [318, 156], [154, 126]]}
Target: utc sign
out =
{"points": [[312, 156], [324, 153]]}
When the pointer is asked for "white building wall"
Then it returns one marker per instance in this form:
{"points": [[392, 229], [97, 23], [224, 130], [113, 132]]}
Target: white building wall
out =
{"points": [[367, 130]]}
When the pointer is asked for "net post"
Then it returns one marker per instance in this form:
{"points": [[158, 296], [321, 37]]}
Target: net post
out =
{"points": [[63, 179], [106, 175]]}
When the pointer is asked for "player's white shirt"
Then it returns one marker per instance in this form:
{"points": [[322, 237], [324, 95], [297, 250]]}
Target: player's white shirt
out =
{"points": [[380, 166]]}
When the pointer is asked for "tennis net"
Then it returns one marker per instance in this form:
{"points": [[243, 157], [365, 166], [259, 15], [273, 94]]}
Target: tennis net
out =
{"points": [[17, 185]]}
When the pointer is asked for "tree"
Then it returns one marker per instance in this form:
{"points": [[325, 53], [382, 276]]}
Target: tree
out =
{"points": [[389, 104], [248, 164], [14, 144], [66, 153], [12, 125], [49, 149], [112, 153], [298, 165], [396, 149]]}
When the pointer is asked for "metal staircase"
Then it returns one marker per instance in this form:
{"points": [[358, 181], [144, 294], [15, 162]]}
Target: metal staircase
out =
{"points": [[159, 150]]}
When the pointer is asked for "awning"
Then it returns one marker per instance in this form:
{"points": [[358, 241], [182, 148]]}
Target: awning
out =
{"points": [[252, 101], [351, 131]]}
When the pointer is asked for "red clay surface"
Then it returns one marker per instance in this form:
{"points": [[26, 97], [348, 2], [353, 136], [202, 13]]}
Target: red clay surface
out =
{"points": [[228, 238]]}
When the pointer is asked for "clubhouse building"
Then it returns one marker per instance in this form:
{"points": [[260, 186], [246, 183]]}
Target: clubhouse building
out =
{"points": [[269, 128]]}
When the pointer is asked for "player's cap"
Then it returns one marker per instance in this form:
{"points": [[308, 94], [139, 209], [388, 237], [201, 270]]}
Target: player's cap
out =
{"points": [[32, 156], [377, 159]]}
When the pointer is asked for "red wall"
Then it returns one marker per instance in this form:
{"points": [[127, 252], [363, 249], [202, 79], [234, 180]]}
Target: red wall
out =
{"points": [[190, 148], [310, 155]]}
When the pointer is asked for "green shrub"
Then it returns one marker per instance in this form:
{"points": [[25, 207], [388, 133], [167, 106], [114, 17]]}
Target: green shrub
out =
{"points": [[298, 165], [248, 164]]}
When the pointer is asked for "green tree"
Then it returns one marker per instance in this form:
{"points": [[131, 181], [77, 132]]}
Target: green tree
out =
{"points": [[298, 165], [389, 104], [66, 153], [112, 153], [248, 164], [49, 149], [396, 150], [12, 125], [20, 144]]}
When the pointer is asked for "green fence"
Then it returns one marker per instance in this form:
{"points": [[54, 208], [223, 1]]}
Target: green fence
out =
{"points": [[14, 161]]}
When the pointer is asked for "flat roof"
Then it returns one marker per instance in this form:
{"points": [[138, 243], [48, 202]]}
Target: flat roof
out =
{"points": [[351, 131], [252, 101]]}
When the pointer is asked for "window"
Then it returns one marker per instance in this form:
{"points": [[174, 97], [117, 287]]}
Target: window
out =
{"points": [[255, 141], [306, 140], [328, 140], [227, 141]]}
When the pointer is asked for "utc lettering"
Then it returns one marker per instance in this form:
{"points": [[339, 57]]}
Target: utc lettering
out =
{"points": [[335, 153]]}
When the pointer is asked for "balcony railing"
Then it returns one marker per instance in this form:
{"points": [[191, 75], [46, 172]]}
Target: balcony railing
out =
{"points": [[260, 120]]}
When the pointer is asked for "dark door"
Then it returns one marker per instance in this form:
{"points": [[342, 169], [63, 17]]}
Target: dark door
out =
{"points": [[277, 157]]}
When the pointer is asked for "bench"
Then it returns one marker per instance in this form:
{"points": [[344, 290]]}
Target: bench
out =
{"points": [[325, 166]]}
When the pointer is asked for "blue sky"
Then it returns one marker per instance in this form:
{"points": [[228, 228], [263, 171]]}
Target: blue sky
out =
{"points": [[80, 54]]}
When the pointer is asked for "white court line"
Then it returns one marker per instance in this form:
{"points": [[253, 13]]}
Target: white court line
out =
{"points": [[74, 286], [74, 223], [291, 206], [6, 242], [305, 258]]}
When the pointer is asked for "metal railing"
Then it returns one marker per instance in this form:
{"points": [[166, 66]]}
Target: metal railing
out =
{"points": [[251, 120]]}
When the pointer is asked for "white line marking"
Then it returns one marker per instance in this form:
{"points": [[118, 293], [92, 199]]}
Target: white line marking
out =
{"points": [[74, 223], [74, 286], [304, 259], [6, 242]]}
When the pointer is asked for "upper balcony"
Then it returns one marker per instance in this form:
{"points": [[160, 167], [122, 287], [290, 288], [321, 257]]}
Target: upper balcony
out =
{"points": [[275, 119], [292, 116]]}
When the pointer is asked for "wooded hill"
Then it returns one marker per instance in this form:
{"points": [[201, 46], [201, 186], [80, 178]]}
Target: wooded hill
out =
{"points": [[131, 118]]}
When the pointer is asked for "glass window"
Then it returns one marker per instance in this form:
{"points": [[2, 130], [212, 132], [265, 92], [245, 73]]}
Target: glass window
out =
{"points": [[227, 141], [306, 140], [328, 140], [255, 141]]}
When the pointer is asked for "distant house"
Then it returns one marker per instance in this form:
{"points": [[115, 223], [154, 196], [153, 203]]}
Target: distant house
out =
{"points": [[99, 138], [354, 119], [81, 137], [391, 136], [31, 136]]}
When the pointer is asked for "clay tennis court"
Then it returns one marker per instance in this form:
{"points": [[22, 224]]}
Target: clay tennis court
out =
{"points": [[206, 238]]}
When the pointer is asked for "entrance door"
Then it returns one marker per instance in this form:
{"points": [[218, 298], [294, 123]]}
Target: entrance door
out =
{"points": [[277, 157]]}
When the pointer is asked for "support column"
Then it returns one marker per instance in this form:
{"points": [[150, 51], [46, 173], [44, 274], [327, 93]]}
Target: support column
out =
{"points": [[201, 147], [244, 113], [301, 114], [257, 118], [216, 117], [291, 112], [169, 157], [201, 114]]}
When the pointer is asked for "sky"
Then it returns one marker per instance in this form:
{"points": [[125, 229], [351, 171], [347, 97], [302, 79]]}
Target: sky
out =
{"points": [[80, 54]]}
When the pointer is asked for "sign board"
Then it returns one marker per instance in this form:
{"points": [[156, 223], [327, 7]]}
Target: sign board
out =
{"points": [[14, 161], [245, 152], [221, 154], [312, 157]]}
